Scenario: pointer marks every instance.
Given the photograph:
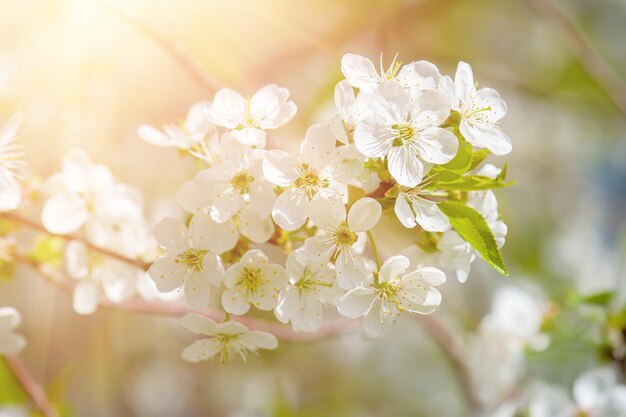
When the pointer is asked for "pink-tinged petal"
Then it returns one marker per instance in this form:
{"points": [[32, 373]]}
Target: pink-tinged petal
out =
{"points": [[64, 213], [168, 274], [201, 350], [364, 214], [279, 167], [360, 72], [229, 109], [404, 212], [172, 235], [357, 302], [486, 135], [291, 209], [429, 217], [437, 145], [404, 166], [464, 82], [198, 324], [85, 299], [269, 107], [393, 268]]}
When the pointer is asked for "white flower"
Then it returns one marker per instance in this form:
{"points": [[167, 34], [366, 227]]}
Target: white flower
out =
{"points": [[415, 206], [250, 117], [395, 290], [10, 342], [341, 237], [86, 193], [252, 281], [350, 108], [406, 131], [235, 180], [230, 339], [311, 287], [319, 172], [191, 259], [446, 250], [597, 393], [480, 111], [95, 274], [188, 135], [415, 76], [10, 163]]}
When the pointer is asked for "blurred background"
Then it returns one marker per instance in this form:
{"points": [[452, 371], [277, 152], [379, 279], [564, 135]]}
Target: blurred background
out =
{"points": [[87, 73]]}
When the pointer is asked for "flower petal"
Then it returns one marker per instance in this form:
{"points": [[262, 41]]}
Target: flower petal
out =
{"points": [[404, 166], [198, 324], [357, 302], [486, 135], [291, 209], [360, 72], [229, 109], [404, 212], [64, 213], [279, 167], [172, 235], [437, 145], [393, 268], [269, 107], [85, 299], [201, 350], [364, 214], [428, 215]]}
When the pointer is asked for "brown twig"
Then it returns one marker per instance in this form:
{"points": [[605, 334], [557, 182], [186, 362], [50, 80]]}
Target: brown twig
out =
{"points": [[35, 392], [453, 353], [34, 225], [178, 53], [579, 45]]}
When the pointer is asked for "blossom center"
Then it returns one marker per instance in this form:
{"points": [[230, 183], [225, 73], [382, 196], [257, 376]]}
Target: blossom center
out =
{"points": [[251, 279], [310, 180], [429, 241], [241, 182], [344, 236], [192, 259], [404, 133]]}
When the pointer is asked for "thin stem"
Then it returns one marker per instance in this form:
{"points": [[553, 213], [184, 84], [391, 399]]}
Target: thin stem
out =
{"points": [[370, 237], [35, 392], [34, 225], [579, 45], [453, 353], [178, 53]]}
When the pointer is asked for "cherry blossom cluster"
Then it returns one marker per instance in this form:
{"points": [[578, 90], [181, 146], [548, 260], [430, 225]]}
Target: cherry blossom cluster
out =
{"points": [[292, 233]]}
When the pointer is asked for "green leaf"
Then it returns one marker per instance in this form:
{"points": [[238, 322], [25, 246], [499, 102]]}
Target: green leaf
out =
{"points": [[478, 157], [458, 166], [601, 298], [474, 229], [474, 183]]}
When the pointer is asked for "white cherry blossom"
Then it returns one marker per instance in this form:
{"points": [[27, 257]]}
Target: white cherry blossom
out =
{"points": [[250, 117], [234, 180], [341, 237], [10, 341], [393, 290], [480, 111], [229, 340], [415, 206], [189, 135], [86, 193], [191, 260], [252, 281], [98, 275], [361, 73], [11, 161], [406, 131], [350, 110], [319, 172], [310, 289]]}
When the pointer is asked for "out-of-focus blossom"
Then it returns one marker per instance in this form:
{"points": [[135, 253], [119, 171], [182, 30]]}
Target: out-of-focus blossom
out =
{"points": [[229, 340], [11, 161], [480, 111], [381, 300], [249, 118], [10, 342], [311, 288]]}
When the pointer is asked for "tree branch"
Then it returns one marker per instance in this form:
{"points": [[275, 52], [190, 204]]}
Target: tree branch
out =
{"points": [[35, 392], [34, 225]]}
